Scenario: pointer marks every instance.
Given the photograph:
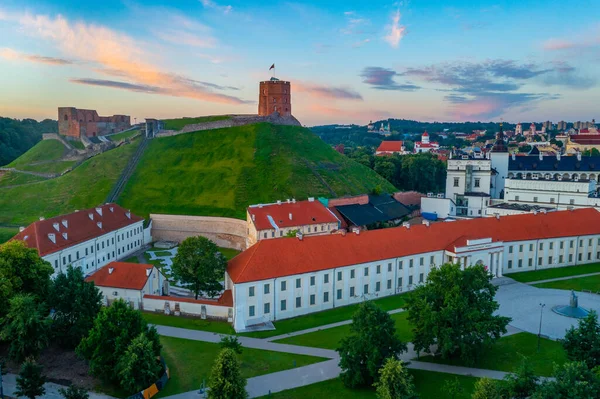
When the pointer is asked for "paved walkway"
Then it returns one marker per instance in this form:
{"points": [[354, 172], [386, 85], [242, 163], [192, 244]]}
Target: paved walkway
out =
{"points": [[10, 386], [562, 278]]}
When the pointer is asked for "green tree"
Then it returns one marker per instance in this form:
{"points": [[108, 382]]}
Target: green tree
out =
{"points": [[138, 366], [571, 380], [372, 340], [26, 327], [395, 382], [582, 344], [226, 381], [291, 233], [231, 342], [30, 382], [74, 392], [385, 168], [454, 310], [114, 329], [486, 388], [522, 383], [452, 388], [200, 265], [76, 304]]}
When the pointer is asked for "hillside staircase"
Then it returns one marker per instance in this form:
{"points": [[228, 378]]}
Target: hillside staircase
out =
{"points": [[117, 189]]}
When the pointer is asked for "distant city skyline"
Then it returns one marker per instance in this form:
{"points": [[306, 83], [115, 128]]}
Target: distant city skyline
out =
{"points": [[349, 62]]}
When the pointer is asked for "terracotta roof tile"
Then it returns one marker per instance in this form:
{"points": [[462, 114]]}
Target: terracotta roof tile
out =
{"points": [[289, 256], [124, 275], [303, 213], [75, 228], [390, 146]]}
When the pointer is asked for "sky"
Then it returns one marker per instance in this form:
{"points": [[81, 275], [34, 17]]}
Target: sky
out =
{"points": [[347, 61]]}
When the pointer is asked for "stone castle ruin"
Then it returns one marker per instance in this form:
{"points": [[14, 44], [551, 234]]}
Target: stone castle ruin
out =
{"points": [[73, 122]]}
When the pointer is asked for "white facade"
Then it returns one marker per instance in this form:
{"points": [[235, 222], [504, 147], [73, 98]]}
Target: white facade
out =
{"points": [[290, 296], [543, 189], [91, 255], [154, 286]]}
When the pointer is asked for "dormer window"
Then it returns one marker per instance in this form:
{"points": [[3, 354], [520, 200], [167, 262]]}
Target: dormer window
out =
{"points": [[99, 224], [56, 226], [52, 238], [65, 236], [91, 216], [65, 223], [99, 210]]}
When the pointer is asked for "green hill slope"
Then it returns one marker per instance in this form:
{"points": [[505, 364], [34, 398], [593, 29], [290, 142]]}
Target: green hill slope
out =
{"points": [[45, 150], [220, 172]]}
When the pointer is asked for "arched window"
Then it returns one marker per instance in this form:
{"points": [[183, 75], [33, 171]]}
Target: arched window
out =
{"points": [[66, 117], [275, 109]]}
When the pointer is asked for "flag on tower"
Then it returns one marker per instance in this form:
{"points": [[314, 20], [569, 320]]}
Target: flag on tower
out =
{"points": [[272, 67]]}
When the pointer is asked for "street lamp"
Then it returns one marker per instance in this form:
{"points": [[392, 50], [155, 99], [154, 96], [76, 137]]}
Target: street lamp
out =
{"points": [[542, 305]]}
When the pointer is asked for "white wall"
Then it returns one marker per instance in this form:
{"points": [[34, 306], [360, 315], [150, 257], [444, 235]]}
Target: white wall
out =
{"points": [[186, 308], [444, 207]]}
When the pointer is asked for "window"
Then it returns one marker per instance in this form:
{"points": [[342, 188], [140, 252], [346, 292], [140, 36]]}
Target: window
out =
{"points": [[102, 244], [540, 260], [477, 182], [312, 280], [551, 245], [298, 283], [69, 258], [456, 180], [530, 247], [280, 233], [86, 252], [580, 243], [571, 243], [389, 267], [340, 276], [579, 257], [516, 197], [552, 200], [378, 269], [400, 265], [530, 262], [366, 271], [351, 291], [410, 263], [267, 308], [251, 311], [298, 301], [431, 260], [326, 279], [589, 256], [560, 259], [267, 288], [535, 199], [77, 255], [377, 286], [520, 262], [265, 234], [590, 242], [570, 258], [562, 244], [520, 248], [597, 255], [250, 291], [98, 247], [549, 260], [510, 264], [410, 278], [510, 249], [326, 297], [389, 284], [420, 277], [339, 294], [312, 299], [352, 273], [56, 263], [421, 261], [283, 285], [400, 282], [571, 202], [283, 305], [366, 289], [272, 234], [541, 246], [64, 260]]}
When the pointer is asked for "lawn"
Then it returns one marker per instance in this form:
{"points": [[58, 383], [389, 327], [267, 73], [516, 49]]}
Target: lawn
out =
{"points": [[161, 253], [133, 259], [429, 385], [590, 283], [56, 167], [178, 124], [330, 338], [218, 327], [86, 186], [229, 253], [504, 355], [6, 233], [537, 275], [190, 363], [16, 178], [325, 317], [220, 172], [77, 144], [123, 135], [45, 150]]}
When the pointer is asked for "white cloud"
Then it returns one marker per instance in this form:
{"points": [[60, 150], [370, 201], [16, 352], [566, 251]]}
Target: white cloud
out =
{"points": [[211, 4], [395, 31]]}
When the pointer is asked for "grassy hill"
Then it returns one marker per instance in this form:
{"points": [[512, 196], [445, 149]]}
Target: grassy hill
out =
{"points": [[86, 186], [45, 150], [180, 123], [220, 172]]}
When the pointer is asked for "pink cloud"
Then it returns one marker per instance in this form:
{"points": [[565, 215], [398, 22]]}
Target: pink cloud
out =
{"points": [[474, 109], [326, 92], [13, 55], [395, 31]]}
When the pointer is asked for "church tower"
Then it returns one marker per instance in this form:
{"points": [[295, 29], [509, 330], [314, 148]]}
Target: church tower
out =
{"points": [[499, 157]]}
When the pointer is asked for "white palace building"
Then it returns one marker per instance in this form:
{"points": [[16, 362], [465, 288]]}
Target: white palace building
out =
{"points": [[287, 277]]}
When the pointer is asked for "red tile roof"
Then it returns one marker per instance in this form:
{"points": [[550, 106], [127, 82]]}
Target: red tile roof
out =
{"points": [[409, 198], [303, 213], [79, 228], [226, 299], [362, 199], [289, 256], [390, 146], [130, 276], [590, 139]]}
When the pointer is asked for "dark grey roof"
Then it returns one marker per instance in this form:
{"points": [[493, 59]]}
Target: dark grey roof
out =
{"points": [[551, 163], [476, 194], [519, 207], [381, 208]]}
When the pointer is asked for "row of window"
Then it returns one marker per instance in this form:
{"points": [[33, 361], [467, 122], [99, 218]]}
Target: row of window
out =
{"points": [[551, 245], [550, 259], [535, 199], [315, 229], [67, 259]]}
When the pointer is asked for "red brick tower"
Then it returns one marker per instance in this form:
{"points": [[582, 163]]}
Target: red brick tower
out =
{"points": [[275, 96]]}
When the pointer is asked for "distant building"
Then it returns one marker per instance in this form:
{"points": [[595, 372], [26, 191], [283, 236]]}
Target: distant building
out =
{"points": [[518, 129], [424, 145], [562, 125], [547, 125], [73, 122], [377, 209], [275, 96], [576, 143], [266, 221], [389, 148]]}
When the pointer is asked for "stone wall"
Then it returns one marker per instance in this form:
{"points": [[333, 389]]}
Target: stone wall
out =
{"points": [[225, 232]]}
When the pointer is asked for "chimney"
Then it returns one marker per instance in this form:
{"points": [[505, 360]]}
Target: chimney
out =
{"points": [[406, 224], [52, 238], [543, 211], [356, 230], [497, 215], [64, 235], [21, 229], [148, 271], [311, 199], [299, 235], [91, 216], [56, 226], [426, 222], [535, 211], [293, 200], [288, 200], [111, 270], [290, 216], [579, 156], [99, 210], [278, 202], [42, 218], [99, 224]]}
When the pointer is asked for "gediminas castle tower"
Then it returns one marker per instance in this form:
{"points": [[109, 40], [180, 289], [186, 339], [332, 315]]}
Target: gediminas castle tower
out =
{"points": [[275, 96]]}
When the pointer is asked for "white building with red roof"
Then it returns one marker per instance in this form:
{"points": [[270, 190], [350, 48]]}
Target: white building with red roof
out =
{"points": [[390, 148], [266, 221], [425, 145], [88, 239]]}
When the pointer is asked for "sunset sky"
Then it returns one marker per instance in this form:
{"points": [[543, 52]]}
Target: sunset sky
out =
{"points": [[348, 61]]}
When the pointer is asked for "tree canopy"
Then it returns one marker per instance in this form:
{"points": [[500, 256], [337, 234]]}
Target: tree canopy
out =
{"points": [[199, 265], [226, 381], [582, 343], [571, 380], [138, 367], [454, 310], [18, 136], [30, 382], [395, 381]]}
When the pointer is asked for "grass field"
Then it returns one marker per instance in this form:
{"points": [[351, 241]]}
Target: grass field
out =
{"points": [[45, 150], [133, 259], [77, 144], [6, 233], [590, 283], [123, 135], [56, 167], [86, 186], [229, 253], [220, 172], [537, 275], [178, 124], [16, 178], [219, 327], [504, 355], [330, 338], [429, 385], [190, 363]]}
